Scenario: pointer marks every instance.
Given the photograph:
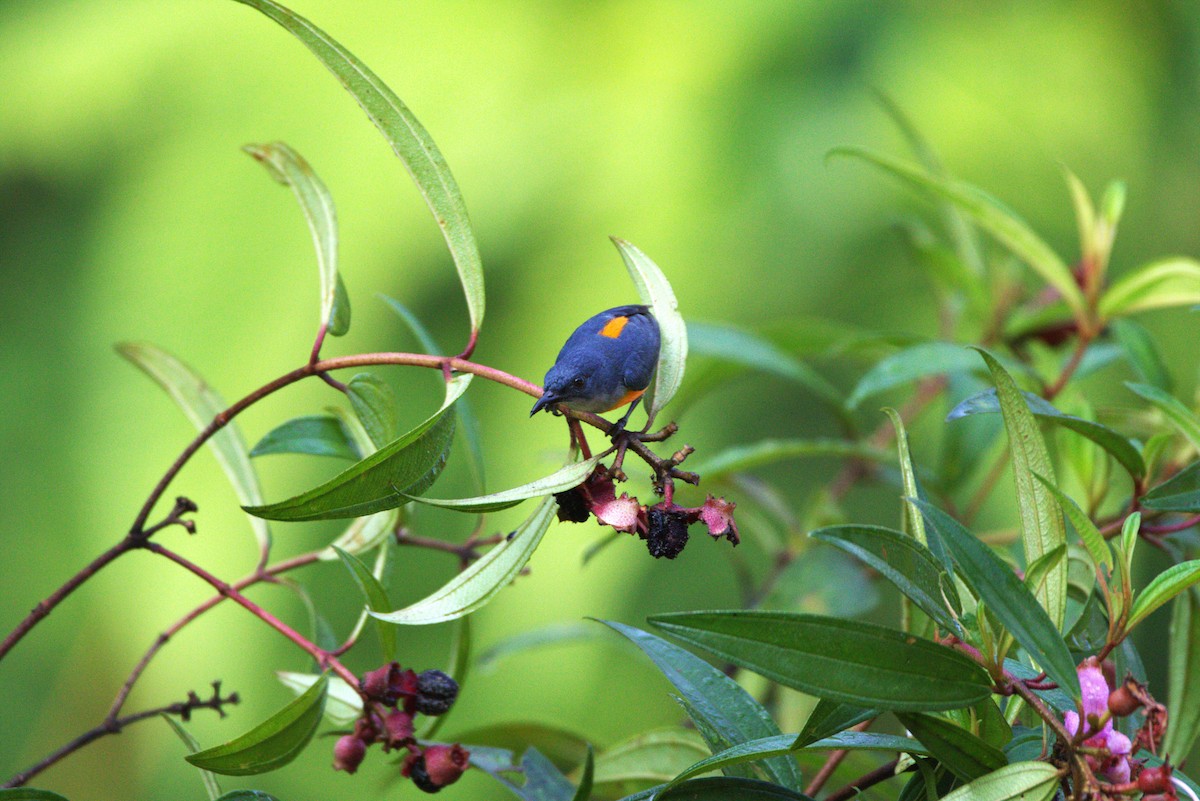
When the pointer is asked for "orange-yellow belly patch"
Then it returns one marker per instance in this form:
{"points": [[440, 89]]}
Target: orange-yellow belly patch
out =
{"points": [[630, 397], [613, 328]]}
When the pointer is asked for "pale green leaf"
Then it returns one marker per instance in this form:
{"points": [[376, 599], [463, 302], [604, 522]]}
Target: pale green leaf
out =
{"points": [[1165, 586], [1161, 284], [343, 704], [563, 479]]}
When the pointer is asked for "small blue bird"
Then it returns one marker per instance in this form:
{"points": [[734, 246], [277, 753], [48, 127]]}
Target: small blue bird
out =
{"points": [[607, 363]]}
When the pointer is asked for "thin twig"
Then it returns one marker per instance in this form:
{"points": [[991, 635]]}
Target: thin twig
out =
{"points": [[880, 774]]}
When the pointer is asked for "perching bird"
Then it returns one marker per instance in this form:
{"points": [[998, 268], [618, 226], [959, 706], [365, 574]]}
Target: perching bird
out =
{"points": [[607, 363]]}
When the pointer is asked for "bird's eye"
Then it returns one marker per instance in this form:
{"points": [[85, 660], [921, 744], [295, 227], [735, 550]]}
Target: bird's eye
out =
{"points": [[577, 383]]}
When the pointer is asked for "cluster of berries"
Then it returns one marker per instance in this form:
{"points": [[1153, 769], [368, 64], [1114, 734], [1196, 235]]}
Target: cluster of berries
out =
{"points": [[393, 697], [663, 526]]}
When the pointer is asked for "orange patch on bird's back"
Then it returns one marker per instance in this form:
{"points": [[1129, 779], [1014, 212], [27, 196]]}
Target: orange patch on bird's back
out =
{"points": [[613, 328]]}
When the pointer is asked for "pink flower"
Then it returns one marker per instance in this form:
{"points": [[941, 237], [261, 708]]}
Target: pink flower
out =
{"points": [[1095, 692]]}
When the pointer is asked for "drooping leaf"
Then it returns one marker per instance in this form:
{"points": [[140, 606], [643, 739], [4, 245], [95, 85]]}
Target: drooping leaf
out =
{"points": [[743, 457], [1165, 586], [1007, 598], [1158, 285], [479, 583], [211, 785], [376, 597], [290, 169], [656, 292], [374, 402], [407, 465], [917, 361], [1142, 352], [1183, 660], [343, 704], [315, 435], [564, 478], [1020, 781], [1179, 415], [408, 139], [202, 404], [646, 760], [902, 560], [1089, 535], [843, 660], [1118, 446], [1180, 493], [271, 744], [728, 714], [990, 215], [962, 752], [829, 718], [1042, 528]]}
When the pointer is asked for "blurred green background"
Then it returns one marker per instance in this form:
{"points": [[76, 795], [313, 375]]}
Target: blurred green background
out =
{"points": [[696, 130]]}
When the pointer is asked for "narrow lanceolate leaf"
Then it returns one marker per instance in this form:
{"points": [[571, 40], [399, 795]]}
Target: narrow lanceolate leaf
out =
{"points": [[343, 704], [290, 169], [408, 139], [727, 713], [769, 451], [914, 524], [1116, 445], [1180, 493], [272, 743], [563, 479], [919, 361], [990, 215], [211, 785], [375, 403], [1158, 285], [1007, 598], [584, 791], [202, 404], [829, 718], [1042, 528], [1180, 416], [966, 755], [656, 292], [1093, 540], [1021, 781], [904, 562], [1183, 691], [843, 660], [314, 435], [784, 745], [376, 597], [479, 583], [1165, 586], [408, 465]]}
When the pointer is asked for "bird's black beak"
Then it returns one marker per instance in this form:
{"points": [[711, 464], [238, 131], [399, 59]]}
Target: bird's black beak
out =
{"points": [[547, 398]]}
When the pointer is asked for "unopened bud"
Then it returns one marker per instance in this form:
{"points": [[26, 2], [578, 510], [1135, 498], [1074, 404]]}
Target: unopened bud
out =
{"points": [[444, 764], [348, 753], [1121, 702], [1155, 780]]}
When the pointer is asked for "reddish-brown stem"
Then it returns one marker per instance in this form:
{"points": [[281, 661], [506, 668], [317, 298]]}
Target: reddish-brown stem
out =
{"points": [[831, 764], [1081, 346], [880, 774], [1170, 528]]}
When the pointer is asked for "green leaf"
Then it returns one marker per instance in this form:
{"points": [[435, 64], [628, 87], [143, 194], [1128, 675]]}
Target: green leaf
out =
{"points": [[564, 748], [656, 292], [1183, 691], [271, 744], [831, 717], [843, 660], [363, 534], [479, 583], [1007, 598], [584, 791], [722, 788], [1180, 493], [1042, 528], [904, 562], [290, 169], [1165, 586], [1085, 214], [315, 435], [990, 215], [407, 138], [1021, 781], [743, 457], [645, 760], [343, 704], [1142, 352], [1181, 416], [374, 402], [1113, 443], [727, 713], [966, 755], [29, 794], [202, 404], [211, 785], [1158, 285], [408, 464], [560, 480], [1089, 535], [912, 363], [377, 600], [914, 524]]}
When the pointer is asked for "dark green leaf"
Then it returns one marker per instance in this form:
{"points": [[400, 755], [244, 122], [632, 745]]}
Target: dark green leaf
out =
{"points": [[211, 786], [315, 435], [1142, 352], [844, 660], [584, 791], [966, 755], [1165, 586], [271, 744], [1113, 443], [1179, 415], [918, 361], [1093, 540], [376, 597], [1183, 692], [1181, 493], [904, 562], [1007, 598], [723, 788], [730, 712], [29, 794], [374, 402], [407, 465], [408, 139], [829, 718], [1042, 528], [1021, 781]]}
